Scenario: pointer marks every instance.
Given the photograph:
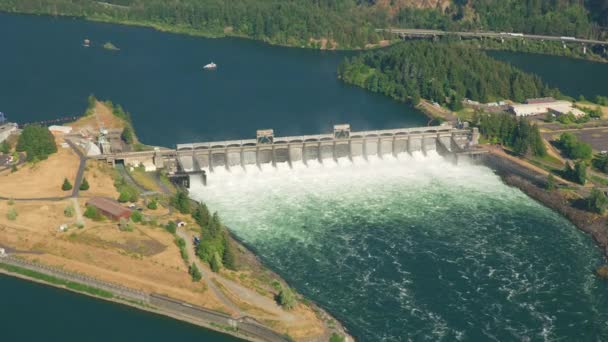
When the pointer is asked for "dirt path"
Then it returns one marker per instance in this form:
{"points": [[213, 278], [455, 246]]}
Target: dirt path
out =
{"points": [[207, 274], [243, 293], [79, 218]]}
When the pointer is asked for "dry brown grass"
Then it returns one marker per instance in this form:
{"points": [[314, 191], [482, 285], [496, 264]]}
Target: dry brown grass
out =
{"points": [[102, 116], [42, 179], [99, 176]]}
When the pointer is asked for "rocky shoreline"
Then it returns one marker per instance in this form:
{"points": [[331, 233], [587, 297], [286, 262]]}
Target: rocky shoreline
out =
{"points": [[532, 184]]}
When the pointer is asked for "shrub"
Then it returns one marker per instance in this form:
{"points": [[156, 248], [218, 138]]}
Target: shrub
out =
{"points": [[14, 168], [92, 213], [597, 201], [84, 185], [5, 147], [136, 216], [69, 211], [153, 205], [195, 272], [66, 186], [171, 227], [12, 214], [216, 263], [336, 338], [550, 185], [125, 226], [287, 299]]}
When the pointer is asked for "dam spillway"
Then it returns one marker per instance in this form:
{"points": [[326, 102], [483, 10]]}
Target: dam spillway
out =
{"points": [[268, 151]]}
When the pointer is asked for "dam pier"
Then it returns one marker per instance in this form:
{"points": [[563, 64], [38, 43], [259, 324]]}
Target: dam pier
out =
{"points": [[268, 150]]}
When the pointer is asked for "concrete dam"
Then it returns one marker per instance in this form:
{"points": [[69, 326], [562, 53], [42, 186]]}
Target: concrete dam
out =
{"points": [[267, 149]]}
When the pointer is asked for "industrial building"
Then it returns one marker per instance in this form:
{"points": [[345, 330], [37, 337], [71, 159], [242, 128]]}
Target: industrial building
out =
{"points": [[109, 208], [544, 106], [6, 130]]}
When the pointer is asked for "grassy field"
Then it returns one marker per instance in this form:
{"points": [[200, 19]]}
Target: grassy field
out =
{"points": [[57, 281]]}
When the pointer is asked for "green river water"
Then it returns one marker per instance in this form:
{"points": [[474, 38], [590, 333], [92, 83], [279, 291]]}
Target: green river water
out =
{"points": [[403, 249]]}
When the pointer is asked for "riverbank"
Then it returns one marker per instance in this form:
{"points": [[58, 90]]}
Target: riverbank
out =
{"points": [[41, 276], [532, 183]]}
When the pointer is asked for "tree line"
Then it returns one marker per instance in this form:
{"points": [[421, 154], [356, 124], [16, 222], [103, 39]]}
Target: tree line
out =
{"points": [[443, 72], [518, 134], [350, 23]]}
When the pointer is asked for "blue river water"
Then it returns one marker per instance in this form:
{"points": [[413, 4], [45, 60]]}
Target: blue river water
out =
{"points": [[406, 249]]}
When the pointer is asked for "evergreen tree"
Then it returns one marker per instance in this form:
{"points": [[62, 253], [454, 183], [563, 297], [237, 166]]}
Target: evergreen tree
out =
{"points": [[127, 135], [181, 202], [195, 273], [550, 185], [5, 147], [216, 263], [84, 185], [66, 185], [229, 259], [37, 142], [580, 172], [597, 201]]}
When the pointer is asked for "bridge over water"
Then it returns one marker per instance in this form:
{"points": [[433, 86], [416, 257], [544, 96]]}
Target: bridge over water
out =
{"points": [[423, 33], [320, 148]]}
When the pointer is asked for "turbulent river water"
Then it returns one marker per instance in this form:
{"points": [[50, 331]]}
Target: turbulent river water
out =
{"points": [[417, 248]]}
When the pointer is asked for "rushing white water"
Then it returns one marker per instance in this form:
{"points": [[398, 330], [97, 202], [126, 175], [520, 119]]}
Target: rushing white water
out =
{"points": [[416, 247]]}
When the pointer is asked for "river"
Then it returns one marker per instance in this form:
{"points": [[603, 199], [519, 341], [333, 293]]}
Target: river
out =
{"points": [[34, 312], [407, 249]]}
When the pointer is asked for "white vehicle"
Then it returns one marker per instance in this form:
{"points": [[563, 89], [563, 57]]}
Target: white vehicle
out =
{"points": [[515, 34], [210, 66], [567, 38]]}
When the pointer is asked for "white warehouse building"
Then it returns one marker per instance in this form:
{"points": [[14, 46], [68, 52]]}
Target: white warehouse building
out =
{"points": [[555, 107]]}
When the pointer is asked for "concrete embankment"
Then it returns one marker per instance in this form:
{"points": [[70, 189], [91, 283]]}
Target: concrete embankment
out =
{"points": [[532, 183], [243, 327]]}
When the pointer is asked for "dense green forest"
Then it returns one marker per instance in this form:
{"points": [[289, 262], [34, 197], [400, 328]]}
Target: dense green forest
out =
{"points": [[441, 72], [37, 142], [518, 134], [348, 23]]}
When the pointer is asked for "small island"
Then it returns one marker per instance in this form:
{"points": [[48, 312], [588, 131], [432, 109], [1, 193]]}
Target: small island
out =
{"points": [[110, 46]]}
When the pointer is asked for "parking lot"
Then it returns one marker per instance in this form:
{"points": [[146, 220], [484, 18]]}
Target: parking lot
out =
{"points": [[596, 137]]}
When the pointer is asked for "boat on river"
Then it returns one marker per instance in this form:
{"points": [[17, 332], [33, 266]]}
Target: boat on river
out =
{"points": [[210, 66]]}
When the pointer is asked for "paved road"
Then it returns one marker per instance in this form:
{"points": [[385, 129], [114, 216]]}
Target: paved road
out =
{"points": [[80, 173], [77, 182], [489, 34]]}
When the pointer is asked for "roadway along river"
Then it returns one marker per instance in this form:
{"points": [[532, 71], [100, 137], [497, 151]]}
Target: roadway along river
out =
{"points": [[398, 250]]}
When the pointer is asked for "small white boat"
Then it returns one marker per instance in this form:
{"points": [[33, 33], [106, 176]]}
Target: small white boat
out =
{"points": [[210, 66], [86, 43]]}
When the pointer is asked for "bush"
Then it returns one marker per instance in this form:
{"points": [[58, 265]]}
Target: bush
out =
{"points": [[550, 185], [66, 186], [171, 227], [136, 216], [181, 202], [286, 298], [92, 213], [195, 273], [336, 338], [216, 263], [69, 211], [84, 186], [12, 214], [573, 148], [153, 205], [5, 147], [125, 226], [597, 201]]}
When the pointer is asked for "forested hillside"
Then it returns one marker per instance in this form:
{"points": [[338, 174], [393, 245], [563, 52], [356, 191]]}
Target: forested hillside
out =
{"points": [[321, 23], [441, 72]]}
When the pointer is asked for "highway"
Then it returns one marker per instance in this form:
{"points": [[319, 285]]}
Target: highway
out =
{"points": [[489, 34]]}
